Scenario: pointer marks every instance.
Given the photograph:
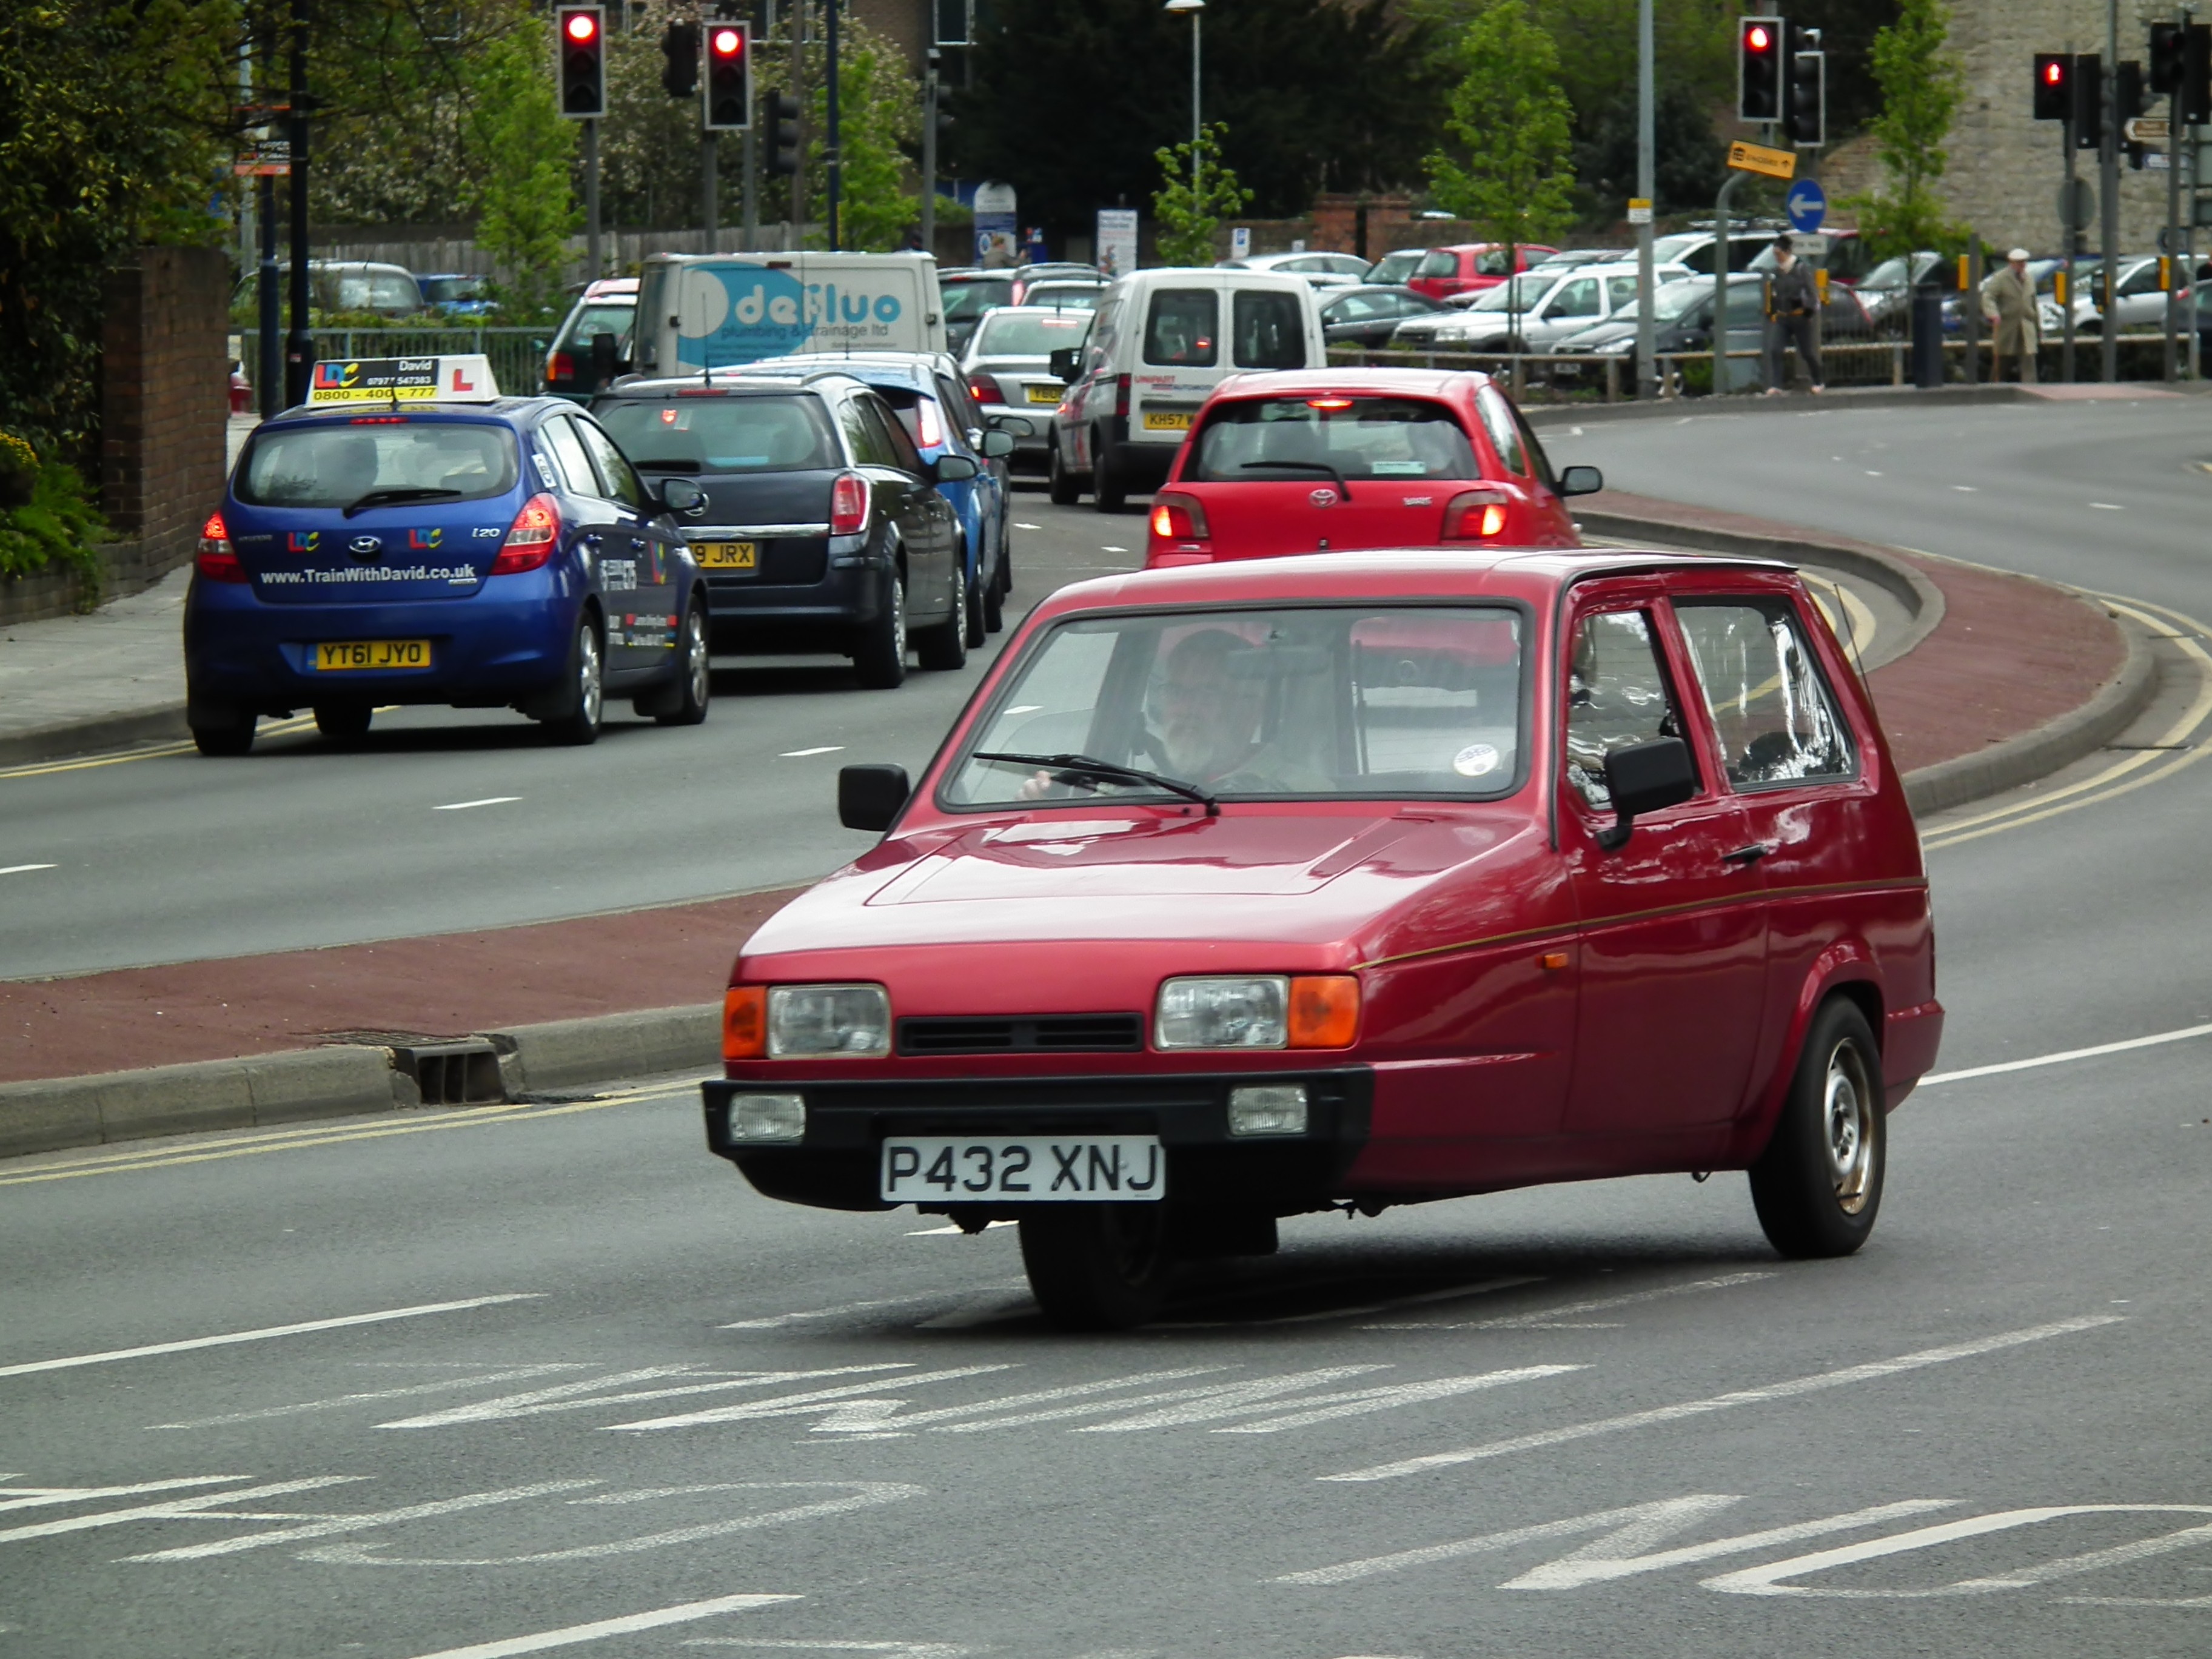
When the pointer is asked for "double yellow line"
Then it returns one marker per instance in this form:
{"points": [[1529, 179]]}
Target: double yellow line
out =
{"points": [[158, 751]]}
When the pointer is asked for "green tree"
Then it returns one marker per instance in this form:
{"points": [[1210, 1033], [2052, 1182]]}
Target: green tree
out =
{"points": [[878, 117], [1922, 83], [526, 207], [1512, 177], [1188, 212]]}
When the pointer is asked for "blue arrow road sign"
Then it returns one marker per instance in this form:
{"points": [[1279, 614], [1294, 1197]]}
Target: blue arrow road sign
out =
{"points": [[1808, 203]]}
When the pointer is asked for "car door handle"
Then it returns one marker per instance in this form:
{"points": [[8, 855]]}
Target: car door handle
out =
{"points": [[1748, 855]]}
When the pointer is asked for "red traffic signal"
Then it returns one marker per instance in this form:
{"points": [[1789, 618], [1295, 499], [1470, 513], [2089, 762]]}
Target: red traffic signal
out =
{"points": [[728, 42], [2054, 92], [729, 93], [1758, 68], [583, 62], [582, 27]]}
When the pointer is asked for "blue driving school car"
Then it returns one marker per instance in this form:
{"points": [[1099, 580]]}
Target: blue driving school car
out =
{"points": [[408, 536]]}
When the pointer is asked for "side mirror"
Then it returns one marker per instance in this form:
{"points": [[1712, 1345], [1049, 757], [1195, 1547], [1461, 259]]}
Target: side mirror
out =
{"points": [[681, 495], [1642, 777], [950, 469], [1580, 481], [871, 796], [997, 445], [1013, 423], [1062, 363]]}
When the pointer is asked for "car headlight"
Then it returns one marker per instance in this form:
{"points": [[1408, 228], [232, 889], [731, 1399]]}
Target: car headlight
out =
{"points": [[1248, 1012], [807, 1021], [1617, 347]]}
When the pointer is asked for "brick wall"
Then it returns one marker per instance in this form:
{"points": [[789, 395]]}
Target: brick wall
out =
{"points": [[164, 408]]}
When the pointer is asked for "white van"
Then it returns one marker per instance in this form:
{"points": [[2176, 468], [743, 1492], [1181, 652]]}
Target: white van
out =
{"points": [[1164, 339], [702, 311]]}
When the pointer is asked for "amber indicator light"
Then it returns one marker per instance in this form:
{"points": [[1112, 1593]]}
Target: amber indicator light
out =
{"points": [[1324, 1011], [744, 1022]]}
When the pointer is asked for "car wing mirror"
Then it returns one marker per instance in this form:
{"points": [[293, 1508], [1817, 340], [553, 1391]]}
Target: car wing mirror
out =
{"points": [[1643, 777], [682, 496], [1062, 365], [950, 469], [1580, 481], [871, 796], [997, 445], [1014, 424]]}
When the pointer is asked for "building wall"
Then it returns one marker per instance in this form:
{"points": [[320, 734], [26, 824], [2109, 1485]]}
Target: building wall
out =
{"points": [[906, 22]]}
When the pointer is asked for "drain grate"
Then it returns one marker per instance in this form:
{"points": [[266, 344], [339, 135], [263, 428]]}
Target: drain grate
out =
{"points": [[454, 1073]]}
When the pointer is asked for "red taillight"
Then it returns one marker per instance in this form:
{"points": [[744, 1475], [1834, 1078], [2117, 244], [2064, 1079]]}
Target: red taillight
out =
{"points": [[1178, 519], [560, 367], [215, 561], [1473, 514], [531, 538], [984, 390], [849, 505], [1329, 405], [926, 417], [1121, 396]]}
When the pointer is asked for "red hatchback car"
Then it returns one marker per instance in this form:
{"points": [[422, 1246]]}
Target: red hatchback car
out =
{"points": [[1323, 460], [1252, 890], [1471, 267]]}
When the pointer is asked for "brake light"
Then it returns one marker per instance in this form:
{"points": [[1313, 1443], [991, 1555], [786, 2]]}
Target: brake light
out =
{"points": [[560, 367], [984, 390], [214, 560], [531, 538], [1473, 514], [1121, 396], [378, 420], [849, 505], [1329, 403], [933, 428], [1178, 519]]}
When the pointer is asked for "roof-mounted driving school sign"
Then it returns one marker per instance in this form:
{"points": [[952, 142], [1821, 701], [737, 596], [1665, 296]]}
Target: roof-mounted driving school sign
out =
{"points": [[463, 380], [1758, 158]]}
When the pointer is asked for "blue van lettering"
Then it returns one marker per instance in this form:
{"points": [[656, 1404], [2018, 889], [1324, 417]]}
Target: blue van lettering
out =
{"points": [[887, 308], [751, 306], [782, 310], [854, 309]]}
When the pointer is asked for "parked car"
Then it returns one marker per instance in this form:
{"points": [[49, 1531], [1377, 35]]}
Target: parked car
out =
{"points": [[1368, 315], [1568, 258], [1343, 459], [967, 295], [1886, 290], [1400, 876], [335, 285], [576, 366], [1323, 271], [1695, 248], [1008, 366], [1682, 315], [931, 396], [1161, 340], [822, 527], [1395, 268], [455, 293], [2139, 300], [1536, 308], [1470, 267]]}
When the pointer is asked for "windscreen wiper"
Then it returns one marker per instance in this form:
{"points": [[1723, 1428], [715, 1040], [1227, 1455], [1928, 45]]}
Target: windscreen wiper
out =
{"points": [[1068, 769], [387, 497], [1343, 488]]}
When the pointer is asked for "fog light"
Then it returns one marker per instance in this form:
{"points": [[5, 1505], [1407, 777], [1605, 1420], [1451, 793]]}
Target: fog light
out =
{"points": [[767, 1117], [1268, 1109]]}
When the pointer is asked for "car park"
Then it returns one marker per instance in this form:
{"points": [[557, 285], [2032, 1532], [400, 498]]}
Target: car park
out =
{"points": [[1885, 291], [2139, 294], [931, 396], [1470, 267], [822, 529], [1368, 315], [1400, 876], [1339, 459], [1323, 271], [1395, 268], [1161, 341], [1533, 310], [1008, 365], [408, 536], [596, 340]]}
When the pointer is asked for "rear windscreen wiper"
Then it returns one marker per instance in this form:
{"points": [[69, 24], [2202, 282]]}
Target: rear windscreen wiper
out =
{"points": [[1343, 488], [388, 497], [1068, 769]]}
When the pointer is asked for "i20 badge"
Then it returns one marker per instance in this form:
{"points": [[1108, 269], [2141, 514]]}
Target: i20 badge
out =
{"points": [[1323, 498]]}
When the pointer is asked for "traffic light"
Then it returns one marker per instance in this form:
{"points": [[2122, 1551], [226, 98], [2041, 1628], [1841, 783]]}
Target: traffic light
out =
{"points": [[2196, 75], [583, 48], [1758, 68], [1806, 98], [679, 45], [2168, 45], [2054, 86], [2129, 99], [2088, 100], [729, 76], [782, 157]]}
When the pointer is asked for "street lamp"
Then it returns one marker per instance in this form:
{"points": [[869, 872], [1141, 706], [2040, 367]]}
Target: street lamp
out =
{"points": [[1193, 7]]}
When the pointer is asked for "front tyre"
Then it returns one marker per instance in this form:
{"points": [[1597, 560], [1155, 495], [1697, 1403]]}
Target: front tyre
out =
{"points": [[695, 677], [880, 657], [1061, 486], [1818, 1184], [973, 610], [1109, 490], [1097, 1266], [579, 722]]}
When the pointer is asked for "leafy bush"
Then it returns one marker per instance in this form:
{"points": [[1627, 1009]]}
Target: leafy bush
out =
{"points": [[51, 519]]}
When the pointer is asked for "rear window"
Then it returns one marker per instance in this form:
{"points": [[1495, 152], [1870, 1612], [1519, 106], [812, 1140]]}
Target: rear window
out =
{"points": [[599, 320], [339, 464], [1270, 331], [1018, 332], [1183, 328], [1255, 439], [964, 301], [752, 433]]}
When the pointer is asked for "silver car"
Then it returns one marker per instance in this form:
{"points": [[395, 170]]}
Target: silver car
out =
{"points": [[1008, 367], [1323, 271], [1537, 308]]}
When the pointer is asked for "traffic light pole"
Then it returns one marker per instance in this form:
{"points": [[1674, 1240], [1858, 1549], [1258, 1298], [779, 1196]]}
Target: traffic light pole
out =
{"points": [[833, 163], [2177, 239], [268, 363], [751, 162], [300, 343], [1647, 330], [592, 268], [2108, 177], [710, 188], [2073, 246], [929, 152]]}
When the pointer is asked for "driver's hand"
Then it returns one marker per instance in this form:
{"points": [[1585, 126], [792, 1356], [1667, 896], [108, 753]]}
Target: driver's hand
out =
{"points": [[1036, 786]]}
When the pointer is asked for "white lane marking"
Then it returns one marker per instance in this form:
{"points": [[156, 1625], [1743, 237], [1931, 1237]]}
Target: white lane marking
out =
{"points": [[1789, 1390], [791, 1404], [265, 1334], [1113, 550], [1185, 1405], [1966, 490], [899, 1649], [178, 1509], [19, 869], [2151, 1042], [1872, 474], [1455, 1293], [591, 1392], [1046, 1397], [1624, 1546], [444, 1384], [951, 1227], [801, 754], [328, 1526], [1540, 1319], [2108, 506], [860, 1495], [464, 806], [1359, 1401], [777, 1321], [32, 1498], [981, 1310], [575, 1634]]}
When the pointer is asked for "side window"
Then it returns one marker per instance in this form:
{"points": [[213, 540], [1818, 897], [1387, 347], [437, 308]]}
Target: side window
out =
{"points": [[1577, 299], [1619, 291], [1442, 262], [1772, 710], [620, 479], [1102, 334], [1616, 695], [1537, 458], [955, 397], [1490, 262], [1270, 331], [1504, 435], [560, 436], [897, 448], [1183, 327], [867, 445]]}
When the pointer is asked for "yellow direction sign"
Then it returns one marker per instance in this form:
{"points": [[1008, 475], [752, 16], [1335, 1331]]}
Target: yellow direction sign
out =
{"points": [[1758, 158]]}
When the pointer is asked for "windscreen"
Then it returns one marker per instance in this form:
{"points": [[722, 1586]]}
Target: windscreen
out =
{"points": [[757, 432], [440, 290], [1270, 439], [599, 320], [336, 464], [1519, 295], [1018, 331], [1324, 702]]}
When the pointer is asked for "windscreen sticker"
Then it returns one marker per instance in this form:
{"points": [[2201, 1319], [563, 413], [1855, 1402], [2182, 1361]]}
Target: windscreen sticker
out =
{"points": [[1476, 760], [426, 541]]}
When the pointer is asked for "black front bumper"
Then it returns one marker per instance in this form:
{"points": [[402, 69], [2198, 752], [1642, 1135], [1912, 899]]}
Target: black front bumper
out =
{"points": [[835, 1166]]}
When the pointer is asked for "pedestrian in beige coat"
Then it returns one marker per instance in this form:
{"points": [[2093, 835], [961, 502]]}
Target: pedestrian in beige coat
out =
{"points": [[2009, 300]]}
